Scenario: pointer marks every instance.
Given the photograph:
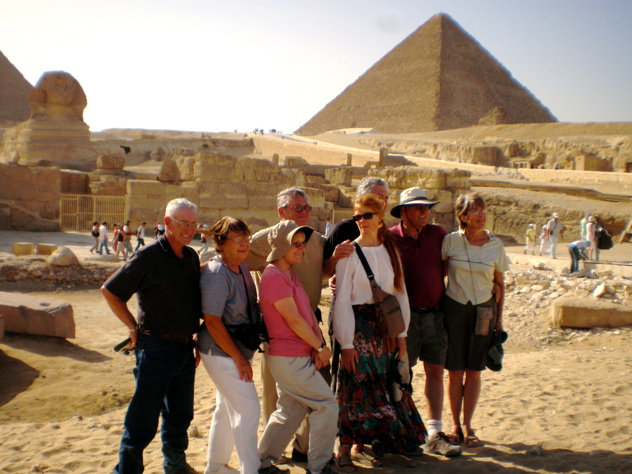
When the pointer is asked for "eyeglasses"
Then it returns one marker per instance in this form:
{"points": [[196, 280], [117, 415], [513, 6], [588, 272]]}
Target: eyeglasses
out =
{"points": [[298, 209], [366, 216], [477, 212], [299, 245], [240, 239], [185, 224]]}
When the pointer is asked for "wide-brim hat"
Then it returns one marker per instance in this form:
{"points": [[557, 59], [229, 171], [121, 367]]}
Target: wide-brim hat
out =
{"points": [[556, 215], [494, 356], [280, 238], [411, 197]]}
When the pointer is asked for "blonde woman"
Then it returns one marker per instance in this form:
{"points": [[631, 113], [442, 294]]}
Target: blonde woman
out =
{"points": [[475, 261]]}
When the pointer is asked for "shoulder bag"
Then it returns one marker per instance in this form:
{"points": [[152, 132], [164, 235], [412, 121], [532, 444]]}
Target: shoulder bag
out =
{"points": [[390, 321]]}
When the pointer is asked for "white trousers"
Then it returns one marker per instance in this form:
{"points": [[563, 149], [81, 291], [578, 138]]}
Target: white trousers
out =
{"points": [[235, 419], [302, 390], [554, 245]]}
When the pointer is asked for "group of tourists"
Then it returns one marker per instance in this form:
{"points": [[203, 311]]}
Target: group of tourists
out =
{"points": [[121, 239], [262, 291]]}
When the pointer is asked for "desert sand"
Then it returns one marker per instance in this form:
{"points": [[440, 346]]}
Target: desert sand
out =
{"points": [[562, 403]]}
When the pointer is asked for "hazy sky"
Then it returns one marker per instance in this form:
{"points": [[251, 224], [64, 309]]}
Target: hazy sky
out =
{"points": [[207, 65]]}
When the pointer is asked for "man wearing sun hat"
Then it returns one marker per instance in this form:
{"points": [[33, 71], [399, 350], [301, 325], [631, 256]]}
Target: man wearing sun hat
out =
{"points": [[419, 243], [555, 229]]}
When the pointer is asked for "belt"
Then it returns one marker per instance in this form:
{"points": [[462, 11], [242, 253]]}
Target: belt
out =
{"points": [[165, 335], [425, 310]]}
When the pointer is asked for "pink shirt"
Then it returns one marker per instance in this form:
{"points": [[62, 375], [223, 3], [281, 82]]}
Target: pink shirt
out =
{"points": [[276, 285]]}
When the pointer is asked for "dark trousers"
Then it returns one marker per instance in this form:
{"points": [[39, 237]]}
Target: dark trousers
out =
{"points": [[575, 258], [165, 377]]}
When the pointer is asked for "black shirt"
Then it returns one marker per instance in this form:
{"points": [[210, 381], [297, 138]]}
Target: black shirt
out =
{"points": [[344, 230], [167, 287]]}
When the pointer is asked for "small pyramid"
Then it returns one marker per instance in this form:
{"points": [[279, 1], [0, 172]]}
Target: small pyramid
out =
{"points": [[439, 78], [14, 93]]}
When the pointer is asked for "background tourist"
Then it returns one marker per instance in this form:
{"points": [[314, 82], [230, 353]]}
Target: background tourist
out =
{"points": [[556, 230], [578, 249], [95, 236], [590, 236], [103, 239], [476, 261], [229, 301], [140, 236], [530, 237]]}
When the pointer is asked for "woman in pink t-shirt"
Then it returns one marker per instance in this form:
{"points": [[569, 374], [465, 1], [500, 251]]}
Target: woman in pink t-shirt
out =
{"points": [[297, 351]]}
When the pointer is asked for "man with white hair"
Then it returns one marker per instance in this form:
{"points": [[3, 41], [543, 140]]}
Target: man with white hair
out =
{"points": [[165, 276]]}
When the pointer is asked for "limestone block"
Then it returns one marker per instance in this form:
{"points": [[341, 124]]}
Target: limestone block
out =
{"points": [[23, 248], [187, 168], [108, 185], [602, 290], [256, 219], [36, 315], [63, 257], [332, 193], [186, 192], [74, 182], [339, 176], [45, 249], [589, 313], [213, 167], [267, 172], [145, 188], [458, 179], [110, 163], [446, 201], [169, 172], [316, 197]]}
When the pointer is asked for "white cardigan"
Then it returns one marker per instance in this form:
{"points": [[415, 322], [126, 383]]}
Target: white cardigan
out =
{"points": [[352, 287]]}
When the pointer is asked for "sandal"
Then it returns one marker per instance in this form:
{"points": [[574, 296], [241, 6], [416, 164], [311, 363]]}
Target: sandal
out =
{"points": [[345, 463], [378, 453], [456, 436], [472, 441]]}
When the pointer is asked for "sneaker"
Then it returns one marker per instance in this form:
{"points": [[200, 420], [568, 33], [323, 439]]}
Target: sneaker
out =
{"points": [[271, 470], [439, 444], [297, 456]]}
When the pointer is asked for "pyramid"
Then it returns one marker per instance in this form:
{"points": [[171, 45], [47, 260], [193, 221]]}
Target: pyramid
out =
{"points": [[14, 93], [439, 78]]}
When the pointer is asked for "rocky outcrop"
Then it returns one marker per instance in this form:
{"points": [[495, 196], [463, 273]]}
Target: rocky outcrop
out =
{"points": [[36, 315], [29, 198]]}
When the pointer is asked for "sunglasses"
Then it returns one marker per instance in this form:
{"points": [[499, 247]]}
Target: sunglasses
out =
{"points": [[366, 216], [299, 209], [299, 245]]}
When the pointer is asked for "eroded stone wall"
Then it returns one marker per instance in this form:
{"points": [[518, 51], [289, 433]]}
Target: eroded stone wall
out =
{"points": [[29, 198]]}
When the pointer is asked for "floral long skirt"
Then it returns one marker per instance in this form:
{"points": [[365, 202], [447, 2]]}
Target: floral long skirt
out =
{"points": [[367, 412]]}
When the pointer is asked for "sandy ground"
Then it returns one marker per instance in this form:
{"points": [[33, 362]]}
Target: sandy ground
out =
{"points": [[561, 404]]}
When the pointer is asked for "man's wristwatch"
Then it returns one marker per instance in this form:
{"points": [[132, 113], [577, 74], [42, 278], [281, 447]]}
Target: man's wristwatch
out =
{"points": [[322, 346]]}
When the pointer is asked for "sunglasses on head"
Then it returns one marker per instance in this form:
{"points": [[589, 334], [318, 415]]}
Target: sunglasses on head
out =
{"points": [[366, 216]]}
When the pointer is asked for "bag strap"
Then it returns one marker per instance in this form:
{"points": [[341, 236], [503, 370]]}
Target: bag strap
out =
{"points": [[365, 264], [369, 272], [470, 263]]}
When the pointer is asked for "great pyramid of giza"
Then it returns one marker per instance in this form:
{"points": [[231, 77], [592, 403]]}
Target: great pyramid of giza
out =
{"points": [[14, 93], [439, 78]]}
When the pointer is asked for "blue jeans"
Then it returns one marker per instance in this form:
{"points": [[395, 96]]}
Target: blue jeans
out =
{"points": [[139, 243], [165, 377], [102, 245]]}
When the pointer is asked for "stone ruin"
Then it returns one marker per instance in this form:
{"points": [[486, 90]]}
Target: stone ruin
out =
{"points": [[55, 134]]}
